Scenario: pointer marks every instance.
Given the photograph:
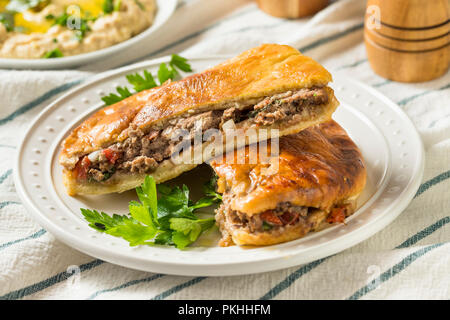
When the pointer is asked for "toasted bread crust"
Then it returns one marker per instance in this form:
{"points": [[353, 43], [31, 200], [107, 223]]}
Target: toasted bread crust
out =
{"points": [[259, 72], [254, 74], [318, 167]]}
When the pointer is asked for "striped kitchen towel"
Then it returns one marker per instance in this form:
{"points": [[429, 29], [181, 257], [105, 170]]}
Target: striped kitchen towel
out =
{"points": [[408, 259]]}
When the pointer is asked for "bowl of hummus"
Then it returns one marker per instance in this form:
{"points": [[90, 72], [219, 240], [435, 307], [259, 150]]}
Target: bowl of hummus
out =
{"points": [[65, 33]]}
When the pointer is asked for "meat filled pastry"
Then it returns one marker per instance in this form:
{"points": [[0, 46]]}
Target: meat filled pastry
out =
{"points": [[319, 174], [268, 87]]}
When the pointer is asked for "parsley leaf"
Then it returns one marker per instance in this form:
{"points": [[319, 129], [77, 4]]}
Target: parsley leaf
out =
{"points": [[7, 19], [147, 81], [108, 6], [102, 221], [187, 230], [164, 238], [167, 220], [180, 63], [147, 194], [134, 232], [174, 204], [140, 213], [209, 189], [164, 73], [55, 53], [120, 226], [203, 202], [112, 98], [141, 83]]}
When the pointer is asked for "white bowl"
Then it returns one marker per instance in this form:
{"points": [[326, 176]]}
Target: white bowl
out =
{"points": [[164, 10]]}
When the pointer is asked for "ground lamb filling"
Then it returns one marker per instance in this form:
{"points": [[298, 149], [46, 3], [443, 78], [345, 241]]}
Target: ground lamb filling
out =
{"points": [[143, 152], [285, 214]]}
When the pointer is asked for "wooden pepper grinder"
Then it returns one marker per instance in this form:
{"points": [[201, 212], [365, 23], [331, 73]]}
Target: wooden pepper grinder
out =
{"points": [[408, 40], [291, 8]]}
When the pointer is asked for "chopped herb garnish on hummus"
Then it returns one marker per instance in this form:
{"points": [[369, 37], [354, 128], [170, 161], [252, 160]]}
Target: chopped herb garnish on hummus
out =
{"points": [[55, 53], [7, 19], [110, 6], [140, 5], [79, 25], [29, 26], [117, 4]]}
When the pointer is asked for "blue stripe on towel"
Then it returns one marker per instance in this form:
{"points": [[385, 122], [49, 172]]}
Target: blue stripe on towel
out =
{"points": [[125, 285], [380, 84], [434, 181], [7, 146], [409, 99], [333, 37], [352, 65], [7, 203], [391, 272], [33, 236], [5, 175], [34, 103], [424, 233], [290, 279], [177, 288], [48, 282]]}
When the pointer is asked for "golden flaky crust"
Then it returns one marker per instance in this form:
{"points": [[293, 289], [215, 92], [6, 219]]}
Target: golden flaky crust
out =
{"points": [[263, 71], [258, 72], [319, 167]]}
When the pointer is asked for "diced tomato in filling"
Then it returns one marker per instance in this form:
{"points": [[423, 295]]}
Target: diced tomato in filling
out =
{"points": [[289, 217], [111, 155], [82, 167], [337, 214], [271, 217]]}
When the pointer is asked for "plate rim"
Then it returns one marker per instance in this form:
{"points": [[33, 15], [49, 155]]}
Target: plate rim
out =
{"points": [[327, 248], [92, 56]]}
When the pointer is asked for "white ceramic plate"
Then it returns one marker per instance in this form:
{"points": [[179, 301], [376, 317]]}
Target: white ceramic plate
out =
{"points": [[391, 147], [165, 9]]}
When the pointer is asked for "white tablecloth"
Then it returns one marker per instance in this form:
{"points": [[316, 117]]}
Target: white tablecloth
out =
{"points": [[408, 259]]}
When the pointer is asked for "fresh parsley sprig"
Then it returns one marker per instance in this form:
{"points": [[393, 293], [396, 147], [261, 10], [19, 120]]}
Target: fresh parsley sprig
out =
{"points": [[210, 190], [147, 81], [168, 219], [123, 92]]}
